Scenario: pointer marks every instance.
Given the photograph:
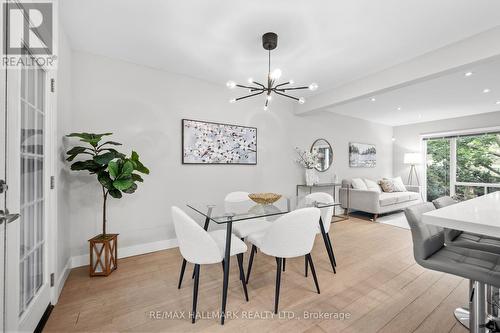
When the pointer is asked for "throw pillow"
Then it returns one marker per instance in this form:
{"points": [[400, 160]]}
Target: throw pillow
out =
{"points": [[372, 186], [358, 184], [387, 185], [398, 184]]}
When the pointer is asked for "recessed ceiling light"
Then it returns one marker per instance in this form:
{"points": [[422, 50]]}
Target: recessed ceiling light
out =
{"points": [[399, 108], [393, 139], [468, 74], [420, 116], [373, 99], [485, 91], [497, 102]]}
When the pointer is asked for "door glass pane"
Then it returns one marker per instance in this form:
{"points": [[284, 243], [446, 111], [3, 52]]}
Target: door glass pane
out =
{"points": [[32, 197], [438, 168]]}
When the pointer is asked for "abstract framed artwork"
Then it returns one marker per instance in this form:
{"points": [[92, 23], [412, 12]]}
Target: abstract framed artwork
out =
{"points": [[216, 143], [362, 155]]}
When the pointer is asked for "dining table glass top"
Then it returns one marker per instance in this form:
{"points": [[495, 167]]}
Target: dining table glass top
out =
{"points": [[223, 212]]}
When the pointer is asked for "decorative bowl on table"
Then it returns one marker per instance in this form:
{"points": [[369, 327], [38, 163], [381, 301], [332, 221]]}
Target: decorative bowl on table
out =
{"points": [[264, 198]]}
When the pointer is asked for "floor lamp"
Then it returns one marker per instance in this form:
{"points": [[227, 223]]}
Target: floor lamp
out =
{"points": [[412, 159]]}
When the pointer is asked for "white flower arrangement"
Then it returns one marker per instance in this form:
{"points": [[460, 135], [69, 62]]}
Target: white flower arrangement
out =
{"points": [[307, 159]]}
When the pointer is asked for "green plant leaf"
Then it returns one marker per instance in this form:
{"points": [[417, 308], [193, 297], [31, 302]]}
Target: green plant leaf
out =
{"points": [[91, 138], [88, 165], [135, 156], [115, 193], [127, 169], [105, 180], [131, 189], [137, 178], [75, 151], [114, 143], [123, 183], [113, 169], [105, 158], [141, 168]]}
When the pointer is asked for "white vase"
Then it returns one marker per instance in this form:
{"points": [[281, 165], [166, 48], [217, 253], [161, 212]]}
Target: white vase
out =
{"points": [[311, 177]]}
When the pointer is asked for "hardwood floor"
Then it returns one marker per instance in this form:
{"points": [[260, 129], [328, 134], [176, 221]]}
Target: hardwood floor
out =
{"points": [[378, 288]]}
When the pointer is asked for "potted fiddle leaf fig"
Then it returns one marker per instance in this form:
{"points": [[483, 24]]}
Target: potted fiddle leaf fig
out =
{"points": [[117, 174]]}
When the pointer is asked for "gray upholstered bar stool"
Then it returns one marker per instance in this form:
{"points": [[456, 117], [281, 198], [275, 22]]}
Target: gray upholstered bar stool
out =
{"points": [[475, 242], [430, 252]]}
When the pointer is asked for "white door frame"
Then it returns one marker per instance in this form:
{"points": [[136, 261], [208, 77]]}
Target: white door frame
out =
{"points": [[31, 316]]}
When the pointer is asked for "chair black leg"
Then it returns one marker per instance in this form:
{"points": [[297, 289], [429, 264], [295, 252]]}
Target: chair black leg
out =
{"points": [[183, 268], [242, 274], [313, 271], [330, 254], [222, 262], [331, 248], [195, 291], [278, 282], [284, 264], [306, 265], [250, 262]]}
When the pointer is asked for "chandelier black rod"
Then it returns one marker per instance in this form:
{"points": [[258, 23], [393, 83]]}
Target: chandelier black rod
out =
{"points": [[293, 88], [285, 95], [251, 95]]}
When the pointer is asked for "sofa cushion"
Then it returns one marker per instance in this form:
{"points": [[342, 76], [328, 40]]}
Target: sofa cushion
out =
{"points": [[358, 184], [372, 185], [387, 199]]}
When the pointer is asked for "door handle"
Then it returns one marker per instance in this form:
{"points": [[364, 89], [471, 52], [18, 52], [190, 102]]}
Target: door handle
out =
{"points": [[6, 217]]}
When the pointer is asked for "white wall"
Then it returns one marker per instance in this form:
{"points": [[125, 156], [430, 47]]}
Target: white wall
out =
{"points": [[408, 136], [144, 108], [63, 111]]}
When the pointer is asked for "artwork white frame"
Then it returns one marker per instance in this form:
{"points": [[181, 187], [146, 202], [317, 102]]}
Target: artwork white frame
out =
{"points": [[362, 155], [206, 142]]}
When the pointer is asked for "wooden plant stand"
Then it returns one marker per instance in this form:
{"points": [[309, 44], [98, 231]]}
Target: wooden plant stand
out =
{"points": [[103, 254]]}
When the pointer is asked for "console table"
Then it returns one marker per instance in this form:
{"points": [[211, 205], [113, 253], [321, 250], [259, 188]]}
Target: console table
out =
{"points": [[333, 186]]}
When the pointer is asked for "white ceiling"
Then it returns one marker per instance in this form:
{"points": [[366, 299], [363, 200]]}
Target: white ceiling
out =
{"points": [[330, 42], [447, 96]]}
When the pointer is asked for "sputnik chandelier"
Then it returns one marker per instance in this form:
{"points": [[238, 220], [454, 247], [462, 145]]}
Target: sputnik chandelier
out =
{"points": [[269, 42]]}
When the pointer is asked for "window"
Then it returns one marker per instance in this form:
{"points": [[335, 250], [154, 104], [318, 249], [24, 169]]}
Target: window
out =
{"points": [[463, 166]]}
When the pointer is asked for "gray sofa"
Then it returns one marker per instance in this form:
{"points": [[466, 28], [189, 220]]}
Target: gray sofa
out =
{"points": [[377, 203]]}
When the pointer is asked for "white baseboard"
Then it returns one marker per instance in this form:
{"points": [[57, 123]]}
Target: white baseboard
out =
{"points": [[129, 251], [62, 280]]}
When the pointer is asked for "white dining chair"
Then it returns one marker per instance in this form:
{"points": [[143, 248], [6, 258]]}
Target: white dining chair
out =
{"points": [[200, 247], [323, 227], [244, 228], [290, 236]]}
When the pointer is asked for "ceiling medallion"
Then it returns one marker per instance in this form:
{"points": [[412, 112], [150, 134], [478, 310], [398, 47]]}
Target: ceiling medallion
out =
{"points": [[269, 42]]}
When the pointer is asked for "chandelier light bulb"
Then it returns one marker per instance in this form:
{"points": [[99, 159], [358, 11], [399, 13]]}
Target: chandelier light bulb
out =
{"points": [[269, 97], [291, 81], [265, 108], [302, 100], [313, 86], [276, 74], [231, 84], [250, 80], [232, 100]]}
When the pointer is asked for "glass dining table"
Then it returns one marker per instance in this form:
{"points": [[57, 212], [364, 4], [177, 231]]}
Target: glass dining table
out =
{"points": [[227, 213]]}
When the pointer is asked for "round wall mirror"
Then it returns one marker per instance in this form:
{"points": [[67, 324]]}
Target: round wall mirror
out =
{"points": [[325, 154]]}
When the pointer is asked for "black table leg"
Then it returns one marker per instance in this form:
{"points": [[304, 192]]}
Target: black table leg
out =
{"points": [[327, 245], [306, 266], [226, 270], [284, 264]]}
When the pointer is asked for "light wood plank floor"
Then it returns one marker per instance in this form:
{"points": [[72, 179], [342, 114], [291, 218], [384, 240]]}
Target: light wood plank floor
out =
{"points": [[378, 288]]}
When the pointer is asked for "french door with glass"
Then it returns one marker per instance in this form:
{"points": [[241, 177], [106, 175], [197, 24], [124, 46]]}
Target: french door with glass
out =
{"points": [[26, 291]]}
